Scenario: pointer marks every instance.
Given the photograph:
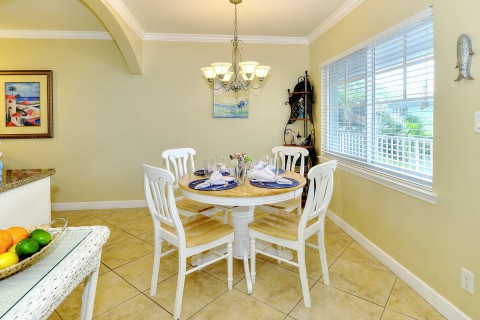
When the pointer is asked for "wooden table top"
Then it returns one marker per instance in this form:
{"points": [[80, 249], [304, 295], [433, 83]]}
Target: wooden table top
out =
{"points": [[246, 190]]}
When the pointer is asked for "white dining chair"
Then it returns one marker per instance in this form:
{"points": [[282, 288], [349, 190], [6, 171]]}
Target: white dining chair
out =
{"points": [[289, 230], [190, 235], [288, 157], [180, 162]]}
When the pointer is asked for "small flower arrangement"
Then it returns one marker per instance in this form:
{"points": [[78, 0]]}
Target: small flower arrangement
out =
{"points": [[240, 158]]}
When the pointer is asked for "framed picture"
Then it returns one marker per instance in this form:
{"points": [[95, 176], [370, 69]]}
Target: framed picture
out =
{"points": [[226, 105], [27, 108]]}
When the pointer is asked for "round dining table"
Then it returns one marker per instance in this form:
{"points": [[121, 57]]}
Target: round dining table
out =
{"points": [[243, 199]]}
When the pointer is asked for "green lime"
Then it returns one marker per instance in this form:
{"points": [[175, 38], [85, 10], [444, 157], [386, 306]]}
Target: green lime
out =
{"points": [[41, 236], [26, 247]]}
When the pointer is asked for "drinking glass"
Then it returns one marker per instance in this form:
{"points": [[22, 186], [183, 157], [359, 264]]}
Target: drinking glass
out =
{"points": [[208, 168], [272, 164], [276, 166], [264, 161], [220, 163]]}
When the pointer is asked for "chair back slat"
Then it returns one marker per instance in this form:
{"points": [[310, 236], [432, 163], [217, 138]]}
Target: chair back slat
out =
{"points": [[161, 201], [179, 162], [160, 198], [319, 192], [289, 156]]}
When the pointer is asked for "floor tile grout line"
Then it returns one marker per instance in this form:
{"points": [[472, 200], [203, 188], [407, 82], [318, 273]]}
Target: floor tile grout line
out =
{"points": [[368, 267], [391, 291], [263, 302], [121, 265], [251, 295], [221, 294], [340, 256], [354, 295], [150, 298], [98, 315]]}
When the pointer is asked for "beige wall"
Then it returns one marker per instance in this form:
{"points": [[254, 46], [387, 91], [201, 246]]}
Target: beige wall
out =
{"points": [[432, 241], [107, 122]]}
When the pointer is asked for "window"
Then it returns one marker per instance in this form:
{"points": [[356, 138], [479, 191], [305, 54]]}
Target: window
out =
{"points": [[377, 107]]}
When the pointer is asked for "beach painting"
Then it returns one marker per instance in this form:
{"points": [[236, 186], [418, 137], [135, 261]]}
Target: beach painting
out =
{"points": [[226, 105], [22, 101], [26, 110]]}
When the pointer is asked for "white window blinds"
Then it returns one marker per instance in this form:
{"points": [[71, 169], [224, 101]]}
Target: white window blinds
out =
{"points": [[377, 106]]}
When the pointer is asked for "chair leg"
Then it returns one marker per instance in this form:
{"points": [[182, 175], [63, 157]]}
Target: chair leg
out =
{"points": [[182, 269], [279, 253], [303, 276], [323, 256], [156, 266], [225, 216], [299, 207], [252, 260], [230, 265]]}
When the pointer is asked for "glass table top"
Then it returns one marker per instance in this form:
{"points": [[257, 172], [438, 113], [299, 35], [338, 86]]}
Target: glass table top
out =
{"points": [[15, 287]]}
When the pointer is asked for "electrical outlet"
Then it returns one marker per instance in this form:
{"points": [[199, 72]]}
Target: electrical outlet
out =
{"points": [[467, 281]]}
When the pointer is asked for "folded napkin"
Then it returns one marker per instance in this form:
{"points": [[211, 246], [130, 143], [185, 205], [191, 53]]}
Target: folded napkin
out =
{"points": [[215, 179], [266, 175], [260, 165]]}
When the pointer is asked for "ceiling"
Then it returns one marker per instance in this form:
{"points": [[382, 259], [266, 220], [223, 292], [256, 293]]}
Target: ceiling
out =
{"points": [[261, 18]]}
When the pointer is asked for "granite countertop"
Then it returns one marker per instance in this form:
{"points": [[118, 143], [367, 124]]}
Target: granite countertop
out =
{"points": [[16, 178]]}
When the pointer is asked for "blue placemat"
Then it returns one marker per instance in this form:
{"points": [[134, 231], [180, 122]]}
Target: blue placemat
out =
{"points": [[202, 174], [230, 185], [274, 185]]}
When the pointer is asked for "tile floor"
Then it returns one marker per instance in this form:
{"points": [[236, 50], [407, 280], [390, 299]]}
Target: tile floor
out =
{"points": [[361, 287]]}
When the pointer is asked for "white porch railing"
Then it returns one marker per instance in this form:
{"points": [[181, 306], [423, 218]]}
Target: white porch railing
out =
{"points": [[410, 155]]}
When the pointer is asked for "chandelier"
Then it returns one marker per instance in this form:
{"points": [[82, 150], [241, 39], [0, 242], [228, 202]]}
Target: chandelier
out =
{"points": [[243, 76]]}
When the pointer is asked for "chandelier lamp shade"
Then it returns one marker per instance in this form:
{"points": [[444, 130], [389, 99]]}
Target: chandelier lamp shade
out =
{"points": [[244, 74]]}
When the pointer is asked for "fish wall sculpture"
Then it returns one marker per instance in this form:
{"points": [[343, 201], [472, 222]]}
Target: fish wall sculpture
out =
{"points": [[464, 57]]}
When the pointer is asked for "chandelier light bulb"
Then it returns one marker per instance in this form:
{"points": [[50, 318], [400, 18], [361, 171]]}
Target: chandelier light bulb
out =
{"points": [[228, 76], [261, 72], [209, 73], [248, 67], [247, 77], [221, 68]]}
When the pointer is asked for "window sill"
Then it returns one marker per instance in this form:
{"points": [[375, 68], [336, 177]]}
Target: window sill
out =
{"points": [[418, 192]]}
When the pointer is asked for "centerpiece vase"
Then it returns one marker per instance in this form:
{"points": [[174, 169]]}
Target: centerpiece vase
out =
{"points": [[241, 173]]}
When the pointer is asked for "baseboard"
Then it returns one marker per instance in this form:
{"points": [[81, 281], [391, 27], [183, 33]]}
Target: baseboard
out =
{"points": [[98, 205], [445, 307]]}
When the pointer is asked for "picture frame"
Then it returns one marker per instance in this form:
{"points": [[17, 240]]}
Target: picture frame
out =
{"points": [[230, 105], [26, 110]]}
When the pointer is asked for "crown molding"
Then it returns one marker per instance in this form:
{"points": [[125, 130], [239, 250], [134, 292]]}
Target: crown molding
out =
{"points": [[55, 34], [338, 15], [223, 38], [102, 35], [122, 10]]}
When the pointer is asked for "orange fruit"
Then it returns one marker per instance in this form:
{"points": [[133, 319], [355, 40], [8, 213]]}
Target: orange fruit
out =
{"points": [[18, 233], [6, 241]]}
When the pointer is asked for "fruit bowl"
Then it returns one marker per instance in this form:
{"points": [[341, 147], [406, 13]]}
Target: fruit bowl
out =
{"points": [[28, 261]]}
